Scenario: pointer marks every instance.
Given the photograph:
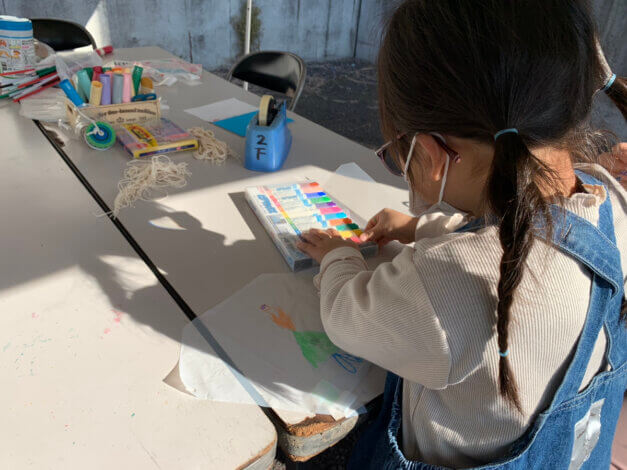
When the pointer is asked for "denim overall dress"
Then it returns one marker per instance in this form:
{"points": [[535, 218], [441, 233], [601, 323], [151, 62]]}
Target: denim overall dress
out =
{"points": [[577, 429]]}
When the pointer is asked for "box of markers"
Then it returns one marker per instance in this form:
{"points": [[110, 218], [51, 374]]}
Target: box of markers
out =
{"points": [[154, 138]]}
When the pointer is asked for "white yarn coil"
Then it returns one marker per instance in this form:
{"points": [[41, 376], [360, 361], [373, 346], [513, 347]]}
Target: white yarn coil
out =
{"points": [[209, 148], [141, 177]]}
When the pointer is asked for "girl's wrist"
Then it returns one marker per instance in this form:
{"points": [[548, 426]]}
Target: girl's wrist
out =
{"points": [[410, 230]]}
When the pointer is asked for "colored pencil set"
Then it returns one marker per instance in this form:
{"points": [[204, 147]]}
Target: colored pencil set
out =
{"points": [[21, 84]]}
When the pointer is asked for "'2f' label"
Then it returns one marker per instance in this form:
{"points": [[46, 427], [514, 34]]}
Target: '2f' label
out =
{"points": [[262, 146]]}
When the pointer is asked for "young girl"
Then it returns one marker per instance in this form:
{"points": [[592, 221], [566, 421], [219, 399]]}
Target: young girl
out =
{"points": [[501, 325]]}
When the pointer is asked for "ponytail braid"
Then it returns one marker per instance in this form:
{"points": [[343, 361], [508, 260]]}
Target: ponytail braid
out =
{"points": [[516, 200]]}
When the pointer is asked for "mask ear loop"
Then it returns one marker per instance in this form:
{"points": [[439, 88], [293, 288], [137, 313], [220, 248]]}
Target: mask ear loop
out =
{"points": [[441, 197], [409, 155], [448, 160]]}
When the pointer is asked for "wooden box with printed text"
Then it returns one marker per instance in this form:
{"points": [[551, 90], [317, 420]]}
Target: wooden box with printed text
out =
{"points": [[123, 113]]}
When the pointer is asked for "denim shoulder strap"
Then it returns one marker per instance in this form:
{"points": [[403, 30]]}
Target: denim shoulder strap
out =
{"points": [[595, 248]]}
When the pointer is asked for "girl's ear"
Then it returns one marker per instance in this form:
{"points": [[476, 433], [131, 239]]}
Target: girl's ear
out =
{"points": [[435, 157]]}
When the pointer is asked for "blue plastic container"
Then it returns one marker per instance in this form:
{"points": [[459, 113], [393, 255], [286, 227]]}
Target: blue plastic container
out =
{"points": [[267, 147]]}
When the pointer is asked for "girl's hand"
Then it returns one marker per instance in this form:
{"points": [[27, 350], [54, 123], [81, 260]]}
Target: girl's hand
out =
{"points": [[390, 225], [319, 242], [616, 163]]}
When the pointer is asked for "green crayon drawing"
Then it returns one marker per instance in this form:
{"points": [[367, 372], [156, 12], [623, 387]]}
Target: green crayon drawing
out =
{"points": [[315, 346]]}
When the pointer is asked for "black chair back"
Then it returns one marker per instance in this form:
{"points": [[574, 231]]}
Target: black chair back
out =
{"points": [[279, 71], [61, 35]]}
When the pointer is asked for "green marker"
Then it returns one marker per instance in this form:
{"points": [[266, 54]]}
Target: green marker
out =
{"points": [[137, 77], [90, 72], [46, 71]]}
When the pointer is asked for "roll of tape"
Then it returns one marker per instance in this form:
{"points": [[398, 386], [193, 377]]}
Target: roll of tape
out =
{"points": [[265, 108], [99, 135]]}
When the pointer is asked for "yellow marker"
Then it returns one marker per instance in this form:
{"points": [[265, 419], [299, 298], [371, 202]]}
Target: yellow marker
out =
{"points": [[146, 86], [346, 234], [96, 93]]}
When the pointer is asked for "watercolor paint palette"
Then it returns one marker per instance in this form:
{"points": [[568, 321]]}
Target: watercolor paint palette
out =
{"points": [[288, 210]]}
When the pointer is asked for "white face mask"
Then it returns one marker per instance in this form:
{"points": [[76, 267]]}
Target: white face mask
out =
{"points": [[433, 219]]}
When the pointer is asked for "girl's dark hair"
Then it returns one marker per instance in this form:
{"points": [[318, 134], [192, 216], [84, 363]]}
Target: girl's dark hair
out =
{"points": [[471, 68], [618, 94]]}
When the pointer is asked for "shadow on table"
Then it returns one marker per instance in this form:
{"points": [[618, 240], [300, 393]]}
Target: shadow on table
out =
{"points": [[186, 229], [93, 249], [193, 281]]}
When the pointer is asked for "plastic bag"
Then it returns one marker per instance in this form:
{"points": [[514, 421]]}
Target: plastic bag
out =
{"points": [[167, 71], [68, 63], [42, 52], [47, 105]]}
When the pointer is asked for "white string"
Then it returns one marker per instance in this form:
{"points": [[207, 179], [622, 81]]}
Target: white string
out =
{"points": [[141, 177], [209, 148]]}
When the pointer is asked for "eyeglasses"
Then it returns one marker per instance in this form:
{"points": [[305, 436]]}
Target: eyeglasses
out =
{"points": [[388, 160]]}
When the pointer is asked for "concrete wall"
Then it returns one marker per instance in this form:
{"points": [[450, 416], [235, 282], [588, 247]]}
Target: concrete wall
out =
{"points": [[201, 30]]}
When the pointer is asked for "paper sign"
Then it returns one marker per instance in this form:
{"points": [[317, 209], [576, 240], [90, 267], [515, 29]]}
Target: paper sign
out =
{"points": [[222, 110]]}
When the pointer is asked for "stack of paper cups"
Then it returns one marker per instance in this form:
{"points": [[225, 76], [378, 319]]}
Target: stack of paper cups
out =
{"points": [[97, 73], [96, 93], [84, 84], [106, 89], [126, 92], [146, 86], [118, 86]]}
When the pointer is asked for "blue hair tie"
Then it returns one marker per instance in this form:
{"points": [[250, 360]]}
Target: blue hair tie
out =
{"points": [[511, 130], [504, 354], [609, 83]]}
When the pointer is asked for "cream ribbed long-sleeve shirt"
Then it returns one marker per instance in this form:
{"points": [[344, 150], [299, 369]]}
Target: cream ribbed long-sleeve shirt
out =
{"points": [[429, 316]]}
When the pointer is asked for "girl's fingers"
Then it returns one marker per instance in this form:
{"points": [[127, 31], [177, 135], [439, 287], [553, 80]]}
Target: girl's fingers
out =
{"points": [[319, 233], [375, 220], [333, 233], [305, 247], [372, 234], [311, 237], [372, 222]]}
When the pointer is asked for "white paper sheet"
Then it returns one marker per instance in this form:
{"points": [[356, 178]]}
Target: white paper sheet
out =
{"points": [[272, 333], [357, 190], [221, 110], [353, 170]]}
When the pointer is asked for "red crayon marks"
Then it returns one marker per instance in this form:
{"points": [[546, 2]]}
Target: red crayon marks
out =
{"points": [[118, 315], [107, 331]]}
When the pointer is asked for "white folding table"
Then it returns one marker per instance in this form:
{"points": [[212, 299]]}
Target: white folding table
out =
{"points": [[203, 240], [87, 336]]}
